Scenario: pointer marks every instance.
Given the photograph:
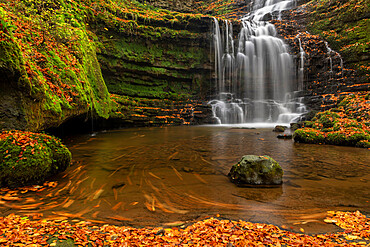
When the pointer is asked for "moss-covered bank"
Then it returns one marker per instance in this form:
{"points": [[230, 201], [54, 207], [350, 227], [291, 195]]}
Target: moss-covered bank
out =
{"points": [[348, 124], [345, 24], [49, 57], [30, 158]]}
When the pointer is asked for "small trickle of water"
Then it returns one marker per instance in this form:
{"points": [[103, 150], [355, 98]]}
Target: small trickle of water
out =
{"points": [[330, 54], [341, 63], [302, 56], [329, 51]]}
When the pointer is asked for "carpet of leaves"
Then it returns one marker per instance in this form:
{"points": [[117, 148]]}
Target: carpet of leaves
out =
{"points": [[25, 138], [29, 143], [22, 231]]}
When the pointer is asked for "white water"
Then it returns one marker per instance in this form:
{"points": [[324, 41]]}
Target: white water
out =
{"points": [[263, 10], [255, 74]]}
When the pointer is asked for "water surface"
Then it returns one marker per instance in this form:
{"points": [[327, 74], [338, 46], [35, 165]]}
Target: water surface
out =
{"points": [[158, 176]]}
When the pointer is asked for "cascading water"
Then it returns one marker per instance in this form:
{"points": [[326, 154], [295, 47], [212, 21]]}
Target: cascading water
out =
{"points": [[256, 82]]}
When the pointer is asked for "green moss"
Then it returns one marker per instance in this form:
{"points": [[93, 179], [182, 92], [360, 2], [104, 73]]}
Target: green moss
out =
{"points": [[308, 135], [27, 158], [56, 59], [336, 138], [52, 45], [345, 125], [327, 118], [346, 26], [252, 169]]}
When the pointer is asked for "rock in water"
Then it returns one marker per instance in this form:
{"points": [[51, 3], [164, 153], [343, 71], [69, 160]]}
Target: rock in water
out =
{"points": [[256, 170], [279, 128], [285, 136]]}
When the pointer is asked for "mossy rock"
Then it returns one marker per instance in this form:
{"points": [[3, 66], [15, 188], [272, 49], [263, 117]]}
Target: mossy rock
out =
{"points": [[279, 128], [327, 118], [30, 158], [308, 135], [256, 170], [336, 138]]}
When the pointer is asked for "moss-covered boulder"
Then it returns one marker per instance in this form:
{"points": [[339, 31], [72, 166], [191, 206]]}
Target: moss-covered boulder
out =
{"points": [[27, 157], [256, 170], [279, 128], [308, 135], [346, 125]]}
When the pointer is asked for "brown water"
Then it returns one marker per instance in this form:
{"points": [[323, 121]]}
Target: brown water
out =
{"points": [[175, 175]]}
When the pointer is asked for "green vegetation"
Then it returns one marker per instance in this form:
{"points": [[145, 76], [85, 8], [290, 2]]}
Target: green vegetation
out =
{"points": [[346, 26], [47, 42], [53, 46], [27, 157], [220, 8], [348, 124]]}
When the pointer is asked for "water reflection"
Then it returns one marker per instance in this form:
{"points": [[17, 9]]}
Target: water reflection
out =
{"points": [[154, 176]]}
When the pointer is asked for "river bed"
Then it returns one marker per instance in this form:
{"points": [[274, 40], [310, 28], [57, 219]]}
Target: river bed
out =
{"points": [[175, 175]]}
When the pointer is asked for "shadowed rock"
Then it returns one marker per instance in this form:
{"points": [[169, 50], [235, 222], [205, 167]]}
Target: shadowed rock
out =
{"points": [[256, 170]]}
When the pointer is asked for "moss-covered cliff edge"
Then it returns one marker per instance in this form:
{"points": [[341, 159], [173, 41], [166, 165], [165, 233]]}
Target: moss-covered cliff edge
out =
{"points": [[59, 58], [48, 65]]}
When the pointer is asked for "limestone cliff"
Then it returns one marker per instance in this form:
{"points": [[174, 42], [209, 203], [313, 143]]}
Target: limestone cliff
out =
{"points": [[60, 58], [127, 59]]}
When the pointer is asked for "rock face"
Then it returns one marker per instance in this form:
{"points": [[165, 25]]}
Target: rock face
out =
{"points": [[157, 50], [131, 49], [163, 65], [256, 170], [328, 72]]}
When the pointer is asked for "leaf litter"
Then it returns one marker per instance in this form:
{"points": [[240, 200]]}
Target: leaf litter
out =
{"points": [[34, 231]]}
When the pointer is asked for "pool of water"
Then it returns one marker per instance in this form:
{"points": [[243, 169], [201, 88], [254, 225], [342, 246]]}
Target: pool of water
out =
{"points": [[174, 175]]}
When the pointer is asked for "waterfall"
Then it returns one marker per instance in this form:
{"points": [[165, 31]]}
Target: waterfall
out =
{"points": [[255, 74]]}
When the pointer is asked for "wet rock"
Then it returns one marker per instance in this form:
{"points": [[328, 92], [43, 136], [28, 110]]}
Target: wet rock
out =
{"points": [[256, 170], [279, 128], [285, 136]]}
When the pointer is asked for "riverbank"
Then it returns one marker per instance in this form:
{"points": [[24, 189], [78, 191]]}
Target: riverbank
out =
{"points": [[22, 231], [346, 124]]}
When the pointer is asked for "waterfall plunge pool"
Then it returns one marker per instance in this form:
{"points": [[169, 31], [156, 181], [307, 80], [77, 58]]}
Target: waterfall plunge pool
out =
{"points": [[155, 176]]}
